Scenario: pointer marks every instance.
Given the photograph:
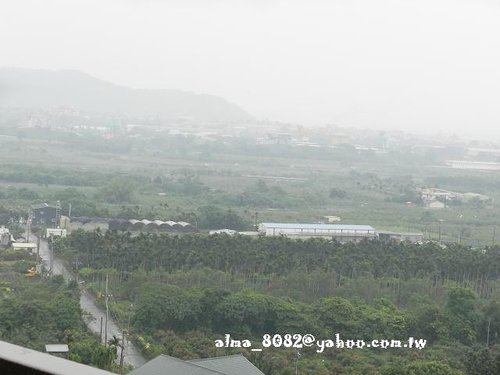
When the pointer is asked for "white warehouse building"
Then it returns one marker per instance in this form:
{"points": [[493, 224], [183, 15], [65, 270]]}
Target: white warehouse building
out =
{"points": [[339, 232]]}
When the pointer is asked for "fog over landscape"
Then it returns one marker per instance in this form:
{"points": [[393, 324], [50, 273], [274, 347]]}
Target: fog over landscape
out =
{"points": [[250, 187], [422, 66]]}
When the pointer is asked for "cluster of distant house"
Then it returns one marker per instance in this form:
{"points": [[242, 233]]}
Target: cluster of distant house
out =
{"points": [[440, 198]]}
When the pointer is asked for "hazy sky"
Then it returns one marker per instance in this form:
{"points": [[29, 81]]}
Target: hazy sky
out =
{"points": [[420, 64]]}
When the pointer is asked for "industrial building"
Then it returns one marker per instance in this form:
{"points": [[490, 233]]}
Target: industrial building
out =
{"points": [[339, 232], [151, 225], [46, 215], [5, 236], [132, 225], [399, 237]]}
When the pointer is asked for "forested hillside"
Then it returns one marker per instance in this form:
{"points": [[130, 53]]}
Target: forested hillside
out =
{"points": [[46, 89]]}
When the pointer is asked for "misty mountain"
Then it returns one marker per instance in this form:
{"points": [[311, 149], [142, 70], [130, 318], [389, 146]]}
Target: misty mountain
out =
{"points": [[45, 89]]}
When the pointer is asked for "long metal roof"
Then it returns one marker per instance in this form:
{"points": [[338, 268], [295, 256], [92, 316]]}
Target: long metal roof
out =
{"points": [[227, 365], [40, 206], [319, 226], [232, 364], [17, 359], [164, 364]]}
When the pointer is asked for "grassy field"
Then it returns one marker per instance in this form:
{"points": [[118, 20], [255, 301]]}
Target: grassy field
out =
{"points": [[277, 188]]}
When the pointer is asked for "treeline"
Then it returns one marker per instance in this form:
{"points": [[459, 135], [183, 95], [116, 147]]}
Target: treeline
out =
{"points": [[33, 315], [185, 323], [247, 314], [36, 311], [40, 312], [445, 295], [280, 256], [61, 176]]}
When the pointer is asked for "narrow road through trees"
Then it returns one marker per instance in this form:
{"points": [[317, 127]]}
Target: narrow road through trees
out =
{"points": [[92, 312]]}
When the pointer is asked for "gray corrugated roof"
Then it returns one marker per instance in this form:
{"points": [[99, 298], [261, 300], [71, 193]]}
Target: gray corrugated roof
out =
{"points": [[400, 233], [228, 365], [166, 365], [46, 363], [40, 205], [318, 226], [231, 365]]}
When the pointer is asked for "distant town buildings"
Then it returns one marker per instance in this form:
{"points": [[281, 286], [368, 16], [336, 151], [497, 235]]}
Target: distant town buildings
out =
{"points": [[440, 198]]}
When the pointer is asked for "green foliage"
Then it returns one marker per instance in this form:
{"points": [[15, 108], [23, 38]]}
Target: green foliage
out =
{"points": [[490, 322], [429, 321], [337, 193], [463, 317], [281, 255], [482, 361], [246, 313], [23, 265], [117, 190], [422, 368], [185, 185], [338, 315], [422, 288], [167, 307], [90, 353], [39, 313], [211, 217], [382, 319]]}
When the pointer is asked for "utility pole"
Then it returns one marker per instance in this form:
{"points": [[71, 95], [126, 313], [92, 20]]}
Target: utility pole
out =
{"points": [[57, 223], [51, 257], [76, 264], [297, 362], [28, 223], [440, 230], [38, 246], [107, 314], [122, 354], [100, 332], [494, 235], [488, 333]]}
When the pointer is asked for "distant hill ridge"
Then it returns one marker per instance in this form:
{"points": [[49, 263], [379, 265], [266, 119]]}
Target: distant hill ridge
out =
{"points": [[27, 88]]}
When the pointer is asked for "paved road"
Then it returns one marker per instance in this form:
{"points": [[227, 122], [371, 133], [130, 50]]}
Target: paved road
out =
{"points": [[92, 312]]}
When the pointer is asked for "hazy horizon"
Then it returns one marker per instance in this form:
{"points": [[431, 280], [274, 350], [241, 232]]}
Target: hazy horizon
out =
{"points": [[417, 67]]}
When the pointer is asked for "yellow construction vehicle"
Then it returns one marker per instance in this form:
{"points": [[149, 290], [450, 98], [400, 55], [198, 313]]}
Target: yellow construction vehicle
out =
{"points": [[31, 272]]}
